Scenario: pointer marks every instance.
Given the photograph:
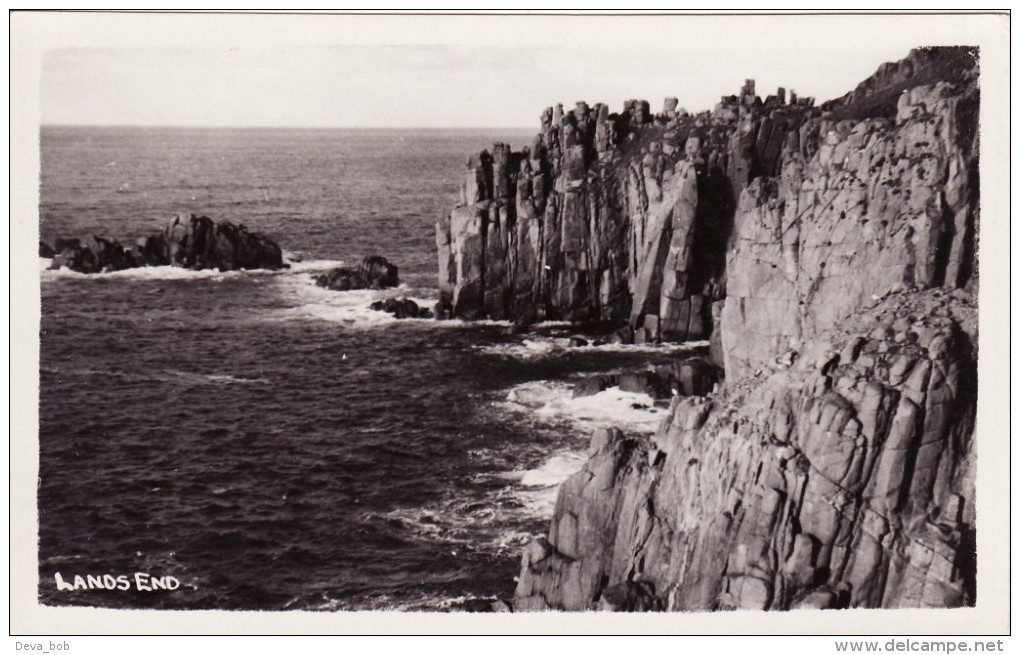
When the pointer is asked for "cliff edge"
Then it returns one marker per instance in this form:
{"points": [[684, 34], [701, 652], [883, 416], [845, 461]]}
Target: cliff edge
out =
{"points": [[830, 253]]}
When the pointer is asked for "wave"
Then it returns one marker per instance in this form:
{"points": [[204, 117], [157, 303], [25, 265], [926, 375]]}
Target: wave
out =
{"points": [[135, 274], [167, 375], [161, 273], [540, 486], [538, 347], [553, 401], [211, 378], [308, 301], [483, 523], [298, 264], [555, 470]]}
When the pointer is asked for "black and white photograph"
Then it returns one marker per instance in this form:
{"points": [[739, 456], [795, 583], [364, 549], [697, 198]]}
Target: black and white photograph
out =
{"points": [[533, 315]]}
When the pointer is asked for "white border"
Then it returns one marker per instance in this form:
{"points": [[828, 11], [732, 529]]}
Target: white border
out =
{"points": [[34, 34]]}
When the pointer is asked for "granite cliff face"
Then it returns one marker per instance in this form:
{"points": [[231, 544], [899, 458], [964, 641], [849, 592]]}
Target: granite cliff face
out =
{"points": [[650, 219], [842, 480], [867, 206], [829, 253]]}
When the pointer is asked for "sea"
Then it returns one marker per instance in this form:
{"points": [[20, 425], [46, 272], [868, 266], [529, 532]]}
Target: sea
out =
{"points": [[268, 444]]}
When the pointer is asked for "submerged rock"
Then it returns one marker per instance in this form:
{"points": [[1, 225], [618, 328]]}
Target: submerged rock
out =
{"points": [[374, 273], [402, 308], [481, 605]]}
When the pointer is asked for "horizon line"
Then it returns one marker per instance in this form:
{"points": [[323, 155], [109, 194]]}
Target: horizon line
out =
{"points": [[288, 127]]}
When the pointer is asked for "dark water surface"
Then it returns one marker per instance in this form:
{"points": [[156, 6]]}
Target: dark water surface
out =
{"points": [[270, 444]]}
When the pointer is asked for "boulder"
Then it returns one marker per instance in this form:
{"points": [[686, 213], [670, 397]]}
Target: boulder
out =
{"points": [[402, 308], [374, 273], [92, 255], [590, 386], [646, 382]]}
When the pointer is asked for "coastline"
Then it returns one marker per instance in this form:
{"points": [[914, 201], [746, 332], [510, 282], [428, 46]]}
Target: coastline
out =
{"points": [[748, 224]]}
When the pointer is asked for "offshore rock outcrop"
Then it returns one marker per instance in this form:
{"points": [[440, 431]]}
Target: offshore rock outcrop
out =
{"points": [[375, 272], [401, 308], [188, 240], [829, 253]]}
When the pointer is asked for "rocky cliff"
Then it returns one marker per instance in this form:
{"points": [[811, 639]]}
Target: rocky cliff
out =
{"points": [[830, 252], [843, 477], [775, 204]]}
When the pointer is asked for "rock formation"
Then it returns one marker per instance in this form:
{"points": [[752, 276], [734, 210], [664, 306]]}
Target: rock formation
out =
{"points": [[689, 377], [374, 273], [842, 480], [402, 308], [188, 240], [829, 254], [640, 218]]}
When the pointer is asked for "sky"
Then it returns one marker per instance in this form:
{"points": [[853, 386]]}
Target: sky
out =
{"points": [[442, 71]]}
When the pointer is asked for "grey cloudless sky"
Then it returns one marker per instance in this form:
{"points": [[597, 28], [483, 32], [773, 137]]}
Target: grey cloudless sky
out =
{"points": [[444, 71]]}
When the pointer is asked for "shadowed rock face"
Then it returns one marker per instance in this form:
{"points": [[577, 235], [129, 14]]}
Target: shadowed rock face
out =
{"points": [[835, 467], [188, 240]]}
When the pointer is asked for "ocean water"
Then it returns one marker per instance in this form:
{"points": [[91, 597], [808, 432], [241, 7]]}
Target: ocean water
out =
{"points": [[273, 445]]}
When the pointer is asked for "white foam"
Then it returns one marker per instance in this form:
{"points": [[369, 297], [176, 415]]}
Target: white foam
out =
{"points": [[308, 301], [552, 324], [461, 524], [537, 347], [554, 470], [644, 347], [311, 265], [157, 273], [553, 402], [141, 273], [534, 490], [350, 308], [539, 503], [299, 267]]}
